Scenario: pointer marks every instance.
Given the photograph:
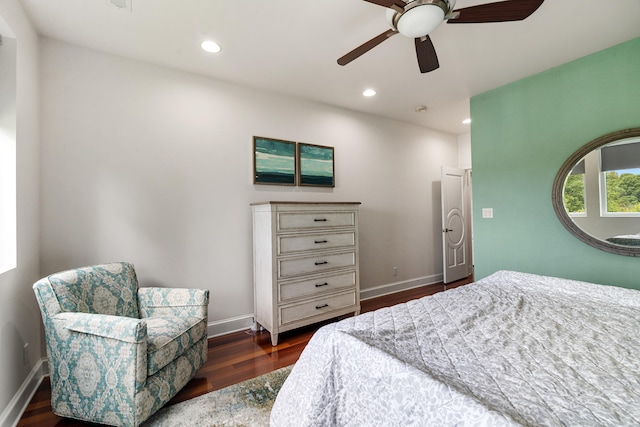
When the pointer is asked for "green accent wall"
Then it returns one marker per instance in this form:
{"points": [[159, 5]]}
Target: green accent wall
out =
{"points": [[520, 136]]}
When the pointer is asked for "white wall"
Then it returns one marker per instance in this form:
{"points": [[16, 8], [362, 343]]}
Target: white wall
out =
{"points": [[464, 151], [154, 166], [19, 316]]}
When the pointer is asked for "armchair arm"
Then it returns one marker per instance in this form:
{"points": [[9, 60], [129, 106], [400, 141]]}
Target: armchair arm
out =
{"points": [[98, 352], [180, 302], [124, 329]]}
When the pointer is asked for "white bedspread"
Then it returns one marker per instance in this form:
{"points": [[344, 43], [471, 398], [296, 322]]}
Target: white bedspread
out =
{"points": [[511, 349]]}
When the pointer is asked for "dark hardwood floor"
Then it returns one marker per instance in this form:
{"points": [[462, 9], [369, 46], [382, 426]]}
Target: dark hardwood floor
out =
{"points": [[233, 358]]}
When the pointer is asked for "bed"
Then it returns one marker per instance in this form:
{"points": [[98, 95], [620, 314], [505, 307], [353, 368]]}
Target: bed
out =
{"points": [[511, 349], [626, 240]]}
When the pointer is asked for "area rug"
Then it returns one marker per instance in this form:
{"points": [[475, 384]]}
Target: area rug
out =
{"points": [[244, 404]]}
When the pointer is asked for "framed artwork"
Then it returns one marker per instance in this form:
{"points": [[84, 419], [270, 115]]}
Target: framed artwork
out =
{"points": [[315, 165], [274, 161]]}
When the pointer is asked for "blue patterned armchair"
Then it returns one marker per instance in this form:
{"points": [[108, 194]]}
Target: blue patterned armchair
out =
{"points": [[117, 353]]}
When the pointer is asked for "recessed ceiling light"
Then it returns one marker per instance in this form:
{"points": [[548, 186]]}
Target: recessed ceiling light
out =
{"points": [[466, 121], [369, 92], [210, 46]]}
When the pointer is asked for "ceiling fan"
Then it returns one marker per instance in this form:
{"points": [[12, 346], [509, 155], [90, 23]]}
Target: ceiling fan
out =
{"points": [[417, 18]]}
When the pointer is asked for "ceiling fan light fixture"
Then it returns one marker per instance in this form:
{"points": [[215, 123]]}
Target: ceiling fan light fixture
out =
{"points": [[420, 20], [419, 17]]}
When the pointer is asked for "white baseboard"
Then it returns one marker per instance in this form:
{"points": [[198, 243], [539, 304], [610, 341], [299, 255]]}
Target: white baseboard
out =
{"points": [[226, 326], [14, 410], [392, 288]]}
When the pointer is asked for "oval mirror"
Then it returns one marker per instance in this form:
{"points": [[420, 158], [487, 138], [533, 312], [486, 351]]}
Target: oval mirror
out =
{"points": [[596, 193]]}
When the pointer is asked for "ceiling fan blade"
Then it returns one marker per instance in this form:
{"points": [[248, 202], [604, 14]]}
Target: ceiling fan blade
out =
{"points": [[366, 47], [388, 3], [502, 11], [426, 53]]}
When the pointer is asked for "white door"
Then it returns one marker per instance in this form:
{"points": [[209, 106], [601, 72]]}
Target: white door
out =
{"points": [[455, 233]]}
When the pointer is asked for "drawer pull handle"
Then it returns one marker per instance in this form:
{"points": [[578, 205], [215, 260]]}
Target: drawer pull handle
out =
{"points": [[322, 263], [318, 307], [319, 285], [321, 241], [320, 219]]}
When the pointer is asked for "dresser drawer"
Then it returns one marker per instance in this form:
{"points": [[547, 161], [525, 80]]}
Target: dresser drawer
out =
{"points": [[290, 267], [309, 242], [318, 306], [310, 220], [308, 288]]}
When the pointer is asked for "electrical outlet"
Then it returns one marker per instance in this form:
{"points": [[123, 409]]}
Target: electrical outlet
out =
{"points": [[395, 271], [25, 354]]}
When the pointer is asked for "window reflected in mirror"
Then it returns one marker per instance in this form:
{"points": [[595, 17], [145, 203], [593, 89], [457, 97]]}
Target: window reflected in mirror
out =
{"points": [[620, 167], [574, 190]]}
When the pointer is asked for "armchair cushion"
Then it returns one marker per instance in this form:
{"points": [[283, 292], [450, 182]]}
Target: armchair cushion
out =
{"points": [[169, 337]]}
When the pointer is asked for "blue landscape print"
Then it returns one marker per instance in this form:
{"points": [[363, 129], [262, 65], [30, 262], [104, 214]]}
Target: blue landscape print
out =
{"points": [[275, 161], [316, 165]]}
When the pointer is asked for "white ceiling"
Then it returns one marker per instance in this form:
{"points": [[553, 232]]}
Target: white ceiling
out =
{"points": [[291, 47]]}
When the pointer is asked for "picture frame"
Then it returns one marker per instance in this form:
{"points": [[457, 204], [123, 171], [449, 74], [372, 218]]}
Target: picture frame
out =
{"points": [[316, 165], [274, 161]]}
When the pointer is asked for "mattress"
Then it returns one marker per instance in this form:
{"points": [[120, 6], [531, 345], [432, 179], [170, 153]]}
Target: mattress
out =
{"points": [[510, 349]]}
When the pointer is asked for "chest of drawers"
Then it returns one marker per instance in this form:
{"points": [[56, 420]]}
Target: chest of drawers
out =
{"points": [[305, 263]]}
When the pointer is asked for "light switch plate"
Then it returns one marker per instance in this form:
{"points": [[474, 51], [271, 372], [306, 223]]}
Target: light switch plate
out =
{"points": [[487, 212]]}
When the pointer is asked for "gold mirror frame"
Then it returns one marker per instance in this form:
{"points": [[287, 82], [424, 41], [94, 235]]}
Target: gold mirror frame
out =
{"points": [[557, 193]]}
